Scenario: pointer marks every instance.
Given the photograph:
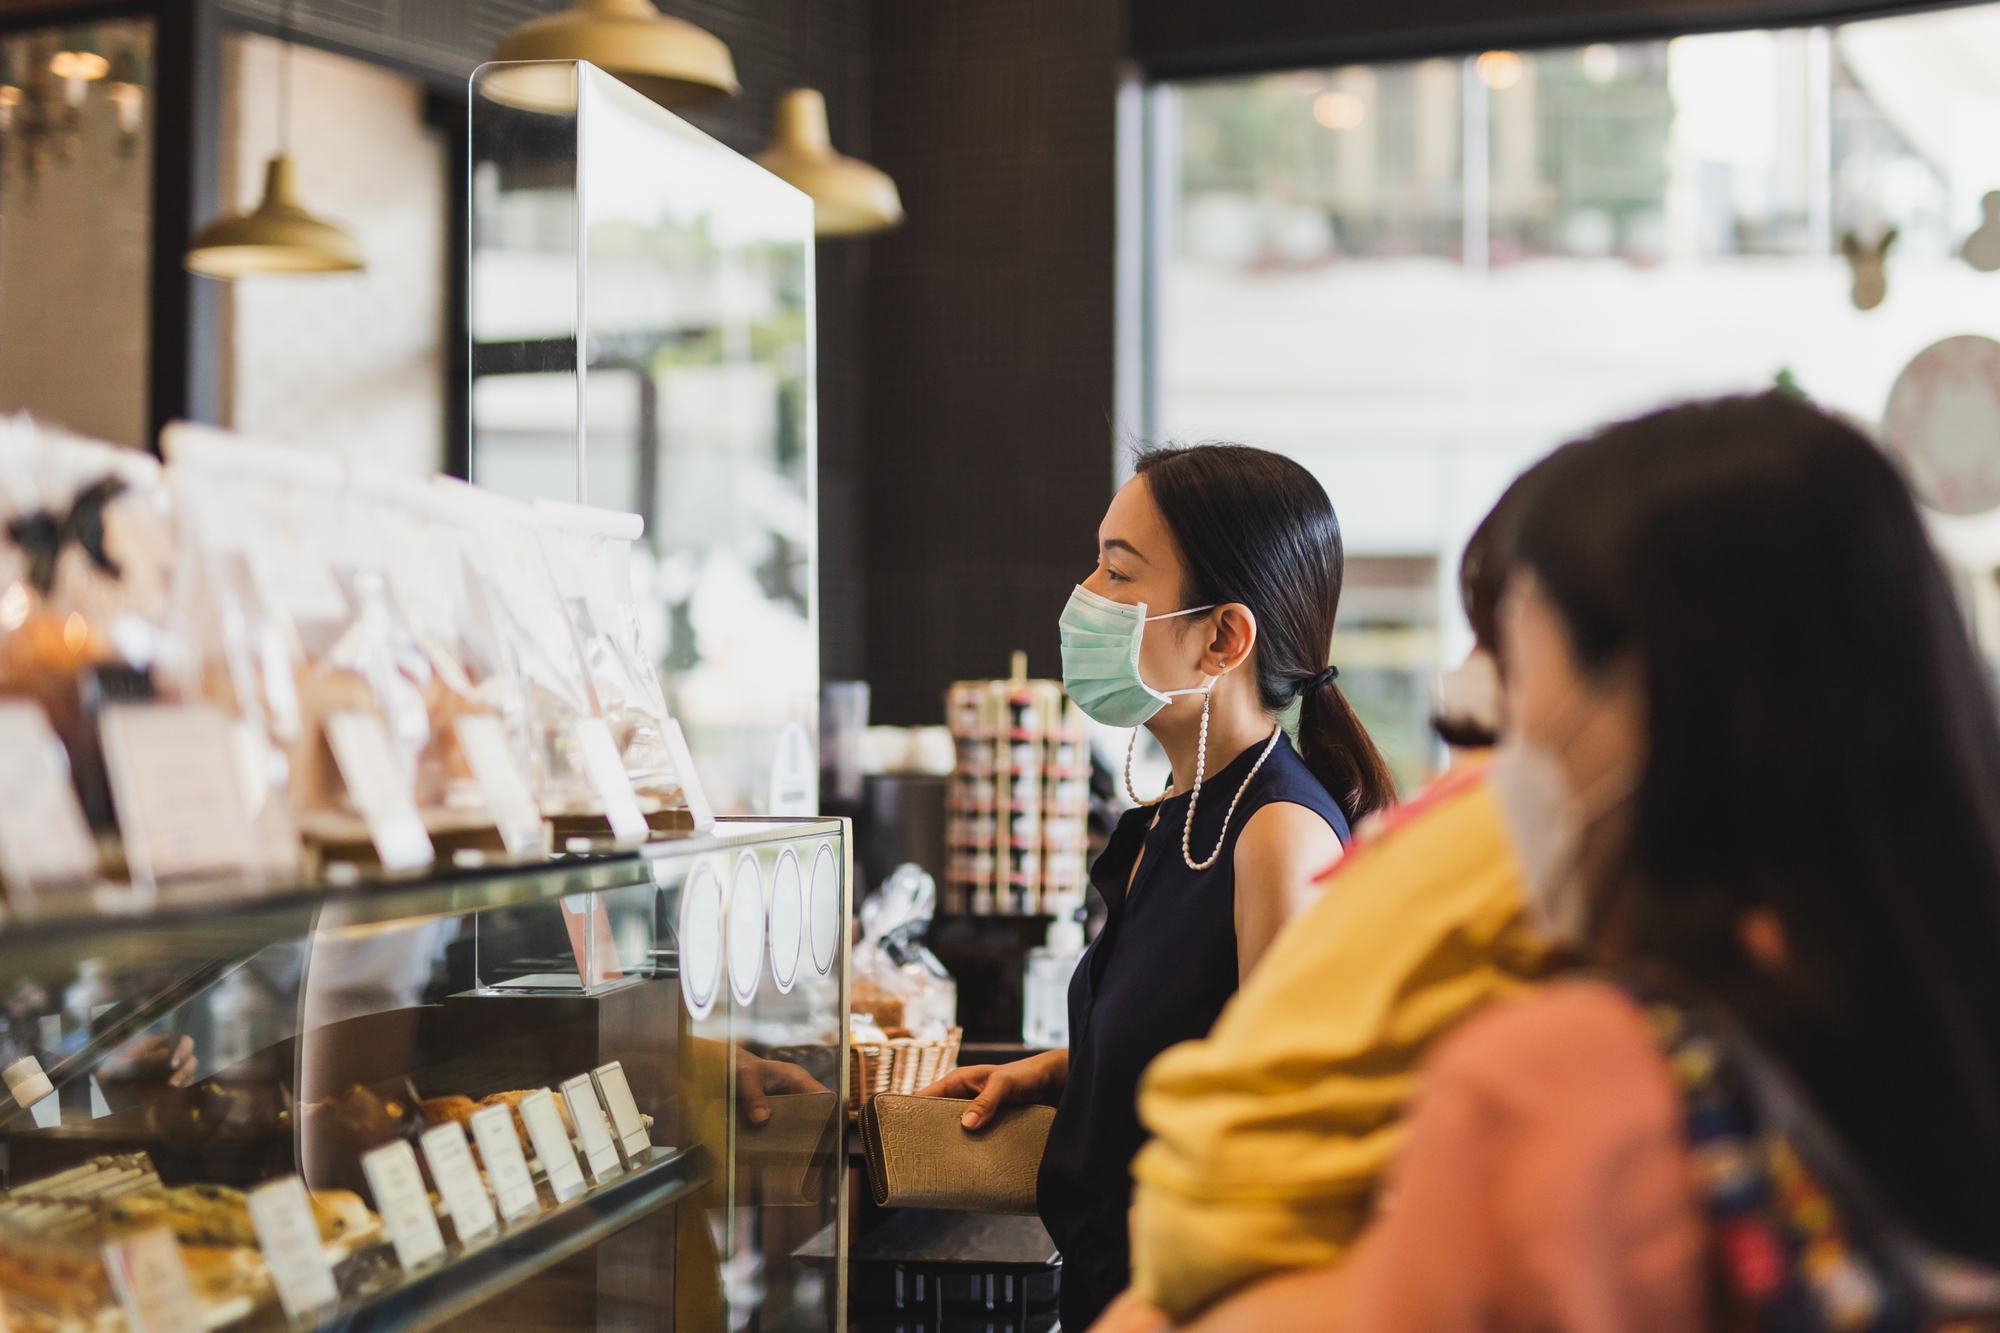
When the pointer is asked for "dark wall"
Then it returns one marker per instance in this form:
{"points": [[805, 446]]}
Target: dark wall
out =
{"points": [[990, 319]]}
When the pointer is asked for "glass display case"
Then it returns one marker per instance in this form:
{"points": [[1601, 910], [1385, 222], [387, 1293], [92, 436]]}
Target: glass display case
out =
{"points": [[606, 1091], [642, 339]]}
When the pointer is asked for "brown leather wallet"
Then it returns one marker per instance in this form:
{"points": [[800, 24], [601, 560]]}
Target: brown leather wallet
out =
{"points": [[920, 1156], [786, 1160]]}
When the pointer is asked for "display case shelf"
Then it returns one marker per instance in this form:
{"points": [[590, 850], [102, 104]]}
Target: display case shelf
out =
{"points": [[378, 1297], [232, 921]]}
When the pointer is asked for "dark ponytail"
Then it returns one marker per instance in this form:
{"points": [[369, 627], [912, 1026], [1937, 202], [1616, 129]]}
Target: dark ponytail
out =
{"points": [[1256, 528]]}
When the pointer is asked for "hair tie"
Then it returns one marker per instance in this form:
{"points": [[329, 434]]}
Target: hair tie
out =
{"points": [[1323, 679]]}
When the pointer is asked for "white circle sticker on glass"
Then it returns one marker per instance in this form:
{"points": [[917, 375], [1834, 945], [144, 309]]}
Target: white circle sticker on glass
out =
{"points": [[788, 920], [825, 909], [1943, 424], [701, 939], [746, 929]]}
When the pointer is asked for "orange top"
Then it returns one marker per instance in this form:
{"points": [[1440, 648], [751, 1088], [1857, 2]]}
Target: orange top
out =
{"points": [[1546, 1184]]}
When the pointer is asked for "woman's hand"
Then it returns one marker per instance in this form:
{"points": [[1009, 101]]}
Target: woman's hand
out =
{"points": [[1039, 1078], [1131, 1314], [758, 1079]]}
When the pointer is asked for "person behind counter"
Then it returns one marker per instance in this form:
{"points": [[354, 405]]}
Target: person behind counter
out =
{"points": [[1752, 766], [1209, 615], [1270, 1137]]}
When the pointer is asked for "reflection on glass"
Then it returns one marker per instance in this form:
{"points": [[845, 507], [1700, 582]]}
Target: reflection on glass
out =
{"points": [[642, 327], [76, 225]]}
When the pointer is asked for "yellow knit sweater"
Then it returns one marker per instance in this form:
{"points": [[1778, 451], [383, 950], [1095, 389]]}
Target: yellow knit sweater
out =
{"points": [[1270, 1135]]}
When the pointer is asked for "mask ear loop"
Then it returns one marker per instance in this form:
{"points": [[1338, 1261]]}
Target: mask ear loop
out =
{"points": [[1132, 744]]}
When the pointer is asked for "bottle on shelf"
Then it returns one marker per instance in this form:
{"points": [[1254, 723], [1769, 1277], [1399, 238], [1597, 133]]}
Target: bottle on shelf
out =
{"points": [[1045, 984]]}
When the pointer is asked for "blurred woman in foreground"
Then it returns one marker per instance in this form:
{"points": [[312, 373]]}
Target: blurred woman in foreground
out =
{"points": [[1751, 766]]}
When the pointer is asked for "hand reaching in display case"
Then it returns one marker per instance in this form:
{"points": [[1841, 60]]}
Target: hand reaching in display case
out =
{"points": [[758, 1080], [149, 1059]]}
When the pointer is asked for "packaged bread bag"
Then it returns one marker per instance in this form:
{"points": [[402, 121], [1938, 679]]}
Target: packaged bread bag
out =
{"points": [[589, 556]]}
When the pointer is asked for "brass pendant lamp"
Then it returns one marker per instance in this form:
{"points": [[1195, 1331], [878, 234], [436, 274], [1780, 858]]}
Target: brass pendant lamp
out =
{"points": [[279, 235], [850, 198], [670, 60]]}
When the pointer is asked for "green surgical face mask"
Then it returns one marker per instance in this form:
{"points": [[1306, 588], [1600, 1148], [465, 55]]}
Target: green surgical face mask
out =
{"points": [[1100, 655]]}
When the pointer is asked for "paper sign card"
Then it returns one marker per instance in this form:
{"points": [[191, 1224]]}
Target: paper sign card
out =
{"points": [[500, 1149], [152, 1284], [44, 841], [794, 786], [375, 784], [175, 780], [458, 1182], [545, 1131], [606, 770], [282, 1214], [697, 799], [589, 925], [484, 741], [626, 1121], [593, 1131], [405, 1206]]}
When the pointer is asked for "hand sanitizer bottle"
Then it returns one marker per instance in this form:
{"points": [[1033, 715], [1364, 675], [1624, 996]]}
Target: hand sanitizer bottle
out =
{"points": [[1045, 988]]}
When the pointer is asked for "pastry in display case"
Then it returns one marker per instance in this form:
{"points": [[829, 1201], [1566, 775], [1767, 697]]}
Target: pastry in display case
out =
{"points": [[604, 1092]]}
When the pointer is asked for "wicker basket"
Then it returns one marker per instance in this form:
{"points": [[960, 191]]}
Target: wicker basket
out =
{"points": [[902, 1064]]}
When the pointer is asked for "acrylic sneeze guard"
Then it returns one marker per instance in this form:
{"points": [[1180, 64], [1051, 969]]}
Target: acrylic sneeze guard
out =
{"points": [[642, 330]]}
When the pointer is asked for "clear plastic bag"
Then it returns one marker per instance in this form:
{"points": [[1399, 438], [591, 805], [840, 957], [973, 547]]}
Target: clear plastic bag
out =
{"points": [[589, 556], [897, 981], [295, 625], [86, 559], [513, 598]]}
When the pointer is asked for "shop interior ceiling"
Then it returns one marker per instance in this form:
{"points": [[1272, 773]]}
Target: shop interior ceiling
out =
{"points": [[1190, 39]]}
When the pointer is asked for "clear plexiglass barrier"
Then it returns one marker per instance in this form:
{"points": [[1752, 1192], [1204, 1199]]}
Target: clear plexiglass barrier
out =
{"points": [[642, 340]]}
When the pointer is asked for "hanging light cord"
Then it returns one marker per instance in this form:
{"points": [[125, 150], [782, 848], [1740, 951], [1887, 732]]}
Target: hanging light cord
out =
{"points": [[285, 78]]}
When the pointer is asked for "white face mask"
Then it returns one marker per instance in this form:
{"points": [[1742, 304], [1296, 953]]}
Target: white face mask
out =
{"points": [[1545, 823], [1547, 819]]}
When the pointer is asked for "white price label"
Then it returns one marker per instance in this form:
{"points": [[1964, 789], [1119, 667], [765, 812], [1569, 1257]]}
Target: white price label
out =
{"points": [[593, 1131], [44, 841], [794, 787], [458, 1182], [403, 1202], [500, 1149], [606, 769], [545, 1131], [152, 1284], [484, 741], [179, 794], [625, 1118], [283, 1216], [375, 784]]}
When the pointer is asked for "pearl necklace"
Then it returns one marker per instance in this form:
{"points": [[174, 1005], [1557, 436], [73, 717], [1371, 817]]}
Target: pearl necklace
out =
{"points": [[1201, 763]]}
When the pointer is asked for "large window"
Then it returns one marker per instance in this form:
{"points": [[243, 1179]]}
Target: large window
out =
{"points": [[1417, 278]]}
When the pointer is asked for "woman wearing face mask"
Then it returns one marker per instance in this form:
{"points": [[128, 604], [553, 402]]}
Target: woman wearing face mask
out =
{"points": [[1270, 1137], [1752, 768], [1208, 617]]}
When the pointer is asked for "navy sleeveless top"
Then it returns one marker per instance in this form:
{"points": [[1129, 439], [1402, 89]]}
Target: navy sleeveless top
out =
{"points": [[1159, 973]]}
